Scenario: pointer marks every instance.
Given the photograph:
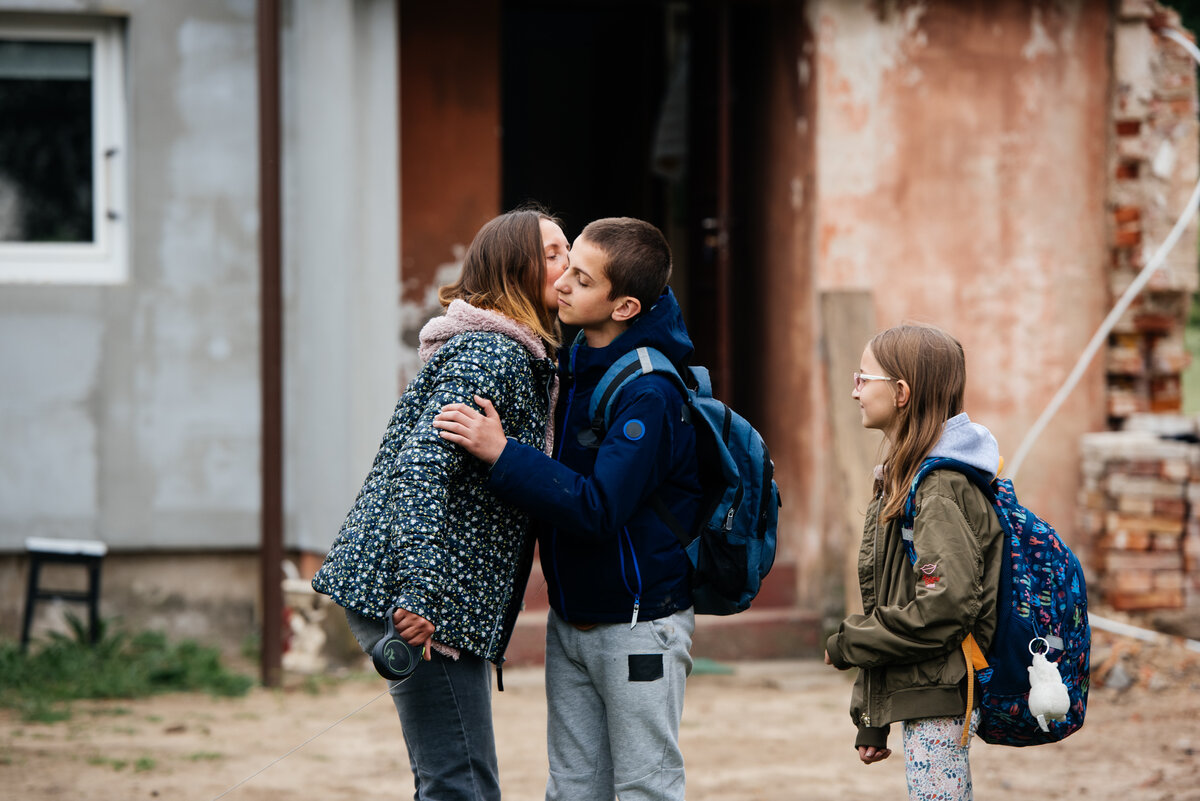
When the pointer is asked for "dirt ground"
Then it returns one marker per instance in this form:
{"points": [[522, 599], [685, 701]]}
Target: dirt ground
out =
{"points": [[765, 732]]}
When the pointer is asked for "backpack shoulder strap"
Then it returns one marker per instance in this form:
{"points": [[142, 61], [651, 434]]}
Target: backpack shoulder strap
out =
{"points": [[943, 463], [630, 366], [702, 380], [638, 362], [981, 481]]}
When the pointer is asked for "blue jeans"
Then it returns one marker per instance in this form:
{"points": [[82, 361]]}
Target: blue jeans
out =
{"points": [[445, 711]]}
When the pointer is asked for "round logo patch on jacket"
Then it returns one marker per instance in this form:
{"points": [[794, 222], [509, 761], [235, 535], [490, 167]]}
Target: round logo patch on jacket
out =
{"points": [[634, 430]]}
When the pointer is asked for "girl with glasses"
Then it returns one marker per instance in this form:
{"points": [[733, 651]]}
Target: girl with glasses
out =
{"points": [[907, 643]]}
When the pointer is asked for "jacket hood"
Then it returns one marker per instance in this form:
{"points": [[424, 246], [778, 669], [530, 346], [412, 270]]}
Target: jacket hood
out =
{"points": [[462, 317], [661, 327], [970, 443]]}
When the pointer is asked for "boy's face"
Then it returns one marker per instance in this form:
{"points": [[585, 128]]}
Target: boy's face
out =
{"points": [[583, 289]]}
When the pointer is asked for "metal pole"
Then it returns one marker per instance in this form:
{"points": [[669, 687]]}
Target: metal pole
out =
{"points": [[271, 322], [724, 371]]}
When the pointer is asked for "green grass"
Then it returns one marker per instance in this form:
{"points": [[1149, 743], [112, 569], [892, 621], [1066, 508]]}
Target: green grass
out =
{"points": [[64, 668], [1191, 376], [140, 765], [703, 666]]}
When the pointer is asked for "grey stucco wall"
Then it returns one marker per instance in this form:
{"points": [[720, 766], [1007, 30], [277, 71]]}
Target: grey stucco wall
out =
{"points": [[341, 185], [131, 412]]}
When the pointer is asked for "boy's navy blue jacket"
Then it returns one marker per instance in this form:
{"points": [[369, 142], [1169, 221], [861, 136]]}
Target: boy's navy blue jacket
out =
{"points": [[604, 550]]}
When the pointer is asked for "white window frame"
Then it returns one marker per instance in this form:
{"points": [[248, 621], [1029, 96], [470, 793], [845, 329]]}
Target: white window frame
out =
{"points": [[106, 259]]}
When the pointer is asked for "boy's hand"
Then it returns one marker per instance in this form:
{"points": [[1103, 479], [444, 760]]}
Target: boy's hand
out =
{"points": [[482, 435]]}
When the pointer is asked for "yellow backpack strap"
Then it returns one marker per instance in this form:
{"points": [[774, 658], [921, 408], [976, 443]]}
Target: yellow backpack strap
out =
{"points": [[975, 661]]}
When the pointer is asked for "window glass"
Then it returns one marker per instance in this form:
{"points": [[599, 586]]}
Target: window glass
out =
{"points": [[46, 150]]}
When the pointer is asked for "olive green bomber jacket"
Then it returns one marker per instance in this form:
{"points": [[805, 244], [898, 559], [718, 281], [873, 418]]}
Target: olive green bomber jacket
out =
{"points": [[907, 643]]}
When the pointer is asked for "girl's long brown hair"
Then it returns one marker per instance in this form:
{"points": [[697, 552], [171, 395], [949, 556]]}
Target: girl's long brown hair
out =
{"points": [[933, 365], [505, 271]]}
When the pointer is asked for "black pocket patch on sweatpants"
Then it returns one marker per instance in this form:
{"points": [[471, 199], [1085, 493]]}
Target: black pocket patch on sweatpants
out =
{"points": [[645, 667]]}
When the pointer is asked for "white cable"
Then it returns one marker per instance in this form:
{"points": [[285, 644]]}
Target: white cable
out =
{"points": [[1183, 41], [306, 742], [1101, 334], [1138, 633]]}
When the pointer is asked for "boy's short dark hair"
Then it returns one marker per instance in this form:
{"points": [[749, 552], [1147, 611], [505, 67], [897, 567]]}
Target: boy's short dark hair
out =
{"points": [[639, 258]]}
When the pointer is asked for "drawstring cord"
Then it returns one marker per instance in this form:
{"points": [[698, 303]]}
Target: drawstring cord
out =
{"points": [[637, 572]]}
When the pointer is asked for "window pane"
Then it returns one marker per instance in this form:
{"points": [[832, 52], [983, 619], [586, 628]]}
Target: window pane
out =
{"points": [[46, 169]]}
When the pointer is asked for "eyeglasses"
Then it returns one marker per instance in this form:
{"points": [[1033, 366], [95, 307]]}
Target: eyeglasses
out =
{"points": [[862, 378]]}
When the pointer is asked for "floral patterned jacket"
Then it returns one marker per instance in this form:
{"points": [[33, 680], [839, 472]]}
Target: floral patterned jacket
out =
{"points": [[424, 533]]}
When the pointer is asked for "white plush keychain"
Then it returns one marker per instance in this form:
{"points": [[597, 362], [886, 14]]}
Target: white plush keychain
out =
{"points": [[1048, 699]]}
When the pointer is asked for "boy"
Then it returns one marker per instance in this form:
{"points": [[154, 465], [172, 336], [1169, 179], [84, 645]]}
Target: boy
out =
{"points": [[620, 627]]}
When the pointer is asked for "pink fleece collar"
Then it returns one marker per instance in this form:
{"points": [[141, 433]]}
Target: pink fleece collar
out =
{"points": [[461, 317]]}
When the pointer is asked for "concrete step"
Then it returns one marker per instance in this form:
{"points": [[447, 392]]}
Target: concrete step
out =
{"points": [[778, 588], [791, 633], [770, 633], [775, 627]]}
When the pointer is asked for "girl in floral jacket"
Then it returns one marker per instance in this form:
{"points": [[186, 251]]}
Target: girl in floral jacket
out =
{"points": [[425, 537]]}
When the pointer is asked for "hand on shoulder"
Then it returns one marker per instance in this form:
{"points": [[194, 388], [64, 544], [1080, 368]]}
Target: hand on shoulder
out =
{"points": [[480, 434]]}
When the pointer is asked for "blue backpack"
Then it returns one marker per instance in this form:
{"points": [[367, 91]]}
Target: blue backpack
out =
{"points": [[1042, 606], [732, 545]]}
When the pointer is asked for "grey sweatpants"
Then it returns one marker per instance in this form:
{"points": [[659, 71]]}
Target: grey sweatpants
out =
{"points": [[614, 697]]}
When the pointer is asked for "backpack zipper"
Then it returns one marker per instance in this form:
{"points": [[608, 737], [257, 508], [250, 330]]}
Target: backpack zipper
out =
{"points": [[733, 507], [726, 426]]}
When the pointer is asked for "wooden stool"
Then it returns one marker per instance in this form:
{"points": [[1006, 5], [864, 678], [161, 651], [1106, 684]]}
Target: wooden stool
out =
{"points": [[86, 553]]}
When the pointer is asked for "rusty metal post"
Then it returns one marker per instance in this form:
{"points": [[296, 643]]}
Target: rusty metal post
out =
{"points": [[271, 331], [724, 279]]}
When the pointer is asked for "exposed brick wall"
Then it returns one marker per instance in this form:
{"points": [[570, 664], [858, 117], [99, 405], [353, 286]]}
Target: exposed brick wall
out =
{"points": [[1154, 168], [1140, 497], [1140, 513]]}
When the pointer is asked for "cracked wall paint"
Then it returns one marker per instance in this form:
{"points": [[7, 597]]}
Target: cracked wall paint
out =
{"points": [[961, 165], [199, 421], [413, 316], [49, 465]]}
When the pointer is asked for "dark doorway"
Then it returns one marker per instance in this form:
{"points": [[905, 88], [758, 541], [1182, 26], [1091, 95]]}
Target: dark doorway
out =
{"points": [[581, 91], [643, 109]]}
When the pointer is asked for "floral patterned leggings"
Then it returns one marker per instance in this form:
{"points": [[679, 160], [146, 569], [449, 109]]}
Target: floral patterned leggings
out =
{"points": [[936, 764]]}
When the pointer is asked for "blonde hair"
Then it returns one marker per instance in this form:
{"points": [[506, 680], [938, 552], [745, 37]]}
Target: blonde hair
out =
{"points": [[504, 270], [933, 365]]}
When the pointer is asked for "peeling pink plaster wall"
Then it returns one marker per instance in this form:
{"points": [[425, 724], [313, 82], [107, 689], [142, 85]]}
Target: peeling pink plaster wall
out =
{"points": [[961, 176]]}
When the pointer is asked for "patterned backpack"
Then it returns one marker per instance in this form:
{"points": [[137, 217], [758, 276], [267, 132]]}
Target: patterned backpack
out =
{"points": [[1042, 608]]}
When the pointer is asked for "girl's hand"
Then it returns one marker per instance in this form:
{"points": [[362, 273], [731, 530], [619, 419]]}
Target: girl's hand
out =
{"points": [[869, 754], [413, 629], [481, 435]]}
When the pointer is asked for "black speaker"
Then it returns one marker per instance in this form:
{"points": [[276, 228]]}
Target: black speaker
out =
{"points": [[393, 657]]}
